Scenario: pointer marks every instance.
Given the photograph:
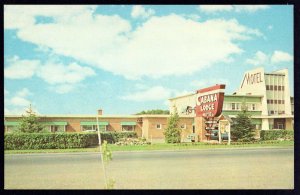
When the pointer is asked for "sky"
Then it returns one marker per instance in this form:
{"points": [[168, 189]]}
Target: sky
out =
{"points": [[76, 59]]}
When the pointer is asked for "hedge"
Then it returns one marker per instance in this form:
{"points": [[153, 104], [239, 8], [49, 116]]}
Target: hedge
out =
{"points": [[276, 134], [23, 141]]}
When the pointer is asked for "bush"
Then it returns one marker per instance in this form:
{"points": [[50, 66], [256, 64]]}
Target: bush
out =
{"points": [[23, 141], [172, 133], [277, 134], [113, 137], [132, 141]]}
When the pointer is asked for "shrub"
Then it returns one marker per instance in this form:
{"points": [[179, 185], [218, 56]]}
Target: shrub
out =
{"points": [[22, 141], [242, 128], [132, 141], [172, 133], [276, 134]]}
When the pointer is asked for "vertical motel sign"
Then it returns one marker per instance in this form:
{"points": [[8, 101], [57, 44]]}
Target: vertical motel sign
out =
{"points": [[209, 101]]}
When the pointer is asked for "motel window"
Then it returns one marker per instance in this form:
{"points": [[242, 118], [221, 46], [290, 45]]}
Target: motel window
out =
{"points": [[271, 101], [57, 128], [267, 87], [282, 88], [280, 125], [127, 128], [233, 106], [275, 101], [282, 101], [183, 126], [158, 126], [271, 87], [275, 87], [11, 129], [89, 127], [253, 106], [272, 111], [237, 106], [279, 88]]}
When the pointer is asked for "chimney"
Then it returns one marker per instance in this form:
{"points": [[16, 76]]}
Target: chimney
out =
{"points": [[100, 112]]}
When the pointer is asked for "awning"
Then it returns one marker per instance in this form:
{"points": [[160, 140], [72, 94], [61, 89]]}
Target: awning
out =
{"points": [[128, 123], [101, 123], [11, 123], [59, 123]]}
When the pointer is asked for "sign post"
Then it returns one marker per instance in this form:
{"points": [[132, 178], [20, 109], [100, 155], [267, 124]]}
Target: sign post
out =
{"points": [[209, 104]]}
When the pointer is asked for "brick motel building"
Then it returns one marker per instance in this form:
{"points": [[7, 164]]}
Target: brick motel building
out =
{"points": [[266, 95]]}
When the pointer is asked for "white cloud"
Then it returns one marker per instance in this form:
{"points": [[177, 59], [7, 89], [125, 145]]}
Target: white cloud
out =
{"points": [[51, 72], [55, 73], [198, 84], [237, 8], [262, 59], [18, 103], [64, 88], [280, 56], [140, 86], [215, 8], [191, 16], [23, 93], [108, 42], [140, 11], [259, 59], [20, 69], [152, 94], [250, 8], [22, 16]]}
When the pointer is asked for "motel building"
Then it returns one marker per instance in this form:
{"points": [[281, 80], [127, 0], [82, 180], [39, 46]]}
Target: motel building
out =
{"points": [[266, 95]]}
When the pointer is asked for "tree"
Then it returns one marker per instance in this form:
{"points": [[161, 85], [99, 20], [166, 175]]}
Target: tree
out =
{"points": [[156, 111], [29, 123], [242, 128], [172, 132]]}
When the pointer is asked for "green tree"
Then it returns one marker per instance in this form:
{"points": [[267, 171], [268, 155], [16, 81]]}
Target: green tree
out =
{"points": [[29, 123], [156, 111], [242, 128], [172, 132]]}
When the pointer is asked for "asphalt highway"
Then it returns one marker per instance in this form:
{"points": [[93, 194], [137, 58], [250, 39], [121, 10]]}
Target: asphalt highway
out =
{"points": [[255, 168]]}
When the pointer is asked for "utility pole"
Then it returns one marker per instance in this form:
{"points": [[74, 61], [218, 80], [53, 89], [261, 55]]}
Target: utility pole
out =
{"points": [[101, 154]]}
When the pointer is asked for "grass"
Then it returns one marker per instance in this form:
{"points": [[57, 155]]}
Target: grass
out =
{"points": [[158, 146]]}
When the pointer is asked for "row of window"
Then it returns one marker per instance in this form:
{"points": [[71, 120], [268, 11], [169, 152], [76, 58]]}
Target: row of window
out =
{"points": [[159, 126], [275, 87], [93, 127], [275, 101], [237, 106], [276, 112]]}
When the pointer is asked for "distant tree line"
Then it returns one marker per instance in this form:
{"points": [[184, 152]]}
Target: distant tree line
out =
{"points": [[156, 111]]}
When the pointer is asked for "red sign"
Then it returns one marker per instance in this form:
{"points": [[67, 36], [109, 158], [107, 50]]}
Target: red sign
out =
{"points": [[209, 101]]}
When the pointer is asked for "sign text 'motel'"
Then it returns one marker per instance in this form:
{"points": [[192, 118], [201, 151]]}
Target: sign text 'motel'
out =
{"points": [[251, 79], [209, 101]]}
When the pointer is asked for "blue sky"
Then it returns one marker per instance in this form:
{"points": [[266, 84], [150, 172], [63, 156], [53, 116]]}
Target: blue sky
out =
{"points": [[129, 58]]}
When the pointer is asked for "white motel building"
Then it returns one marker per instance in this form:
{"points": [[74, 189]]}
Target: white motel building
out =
{"points": [[266, 95]]}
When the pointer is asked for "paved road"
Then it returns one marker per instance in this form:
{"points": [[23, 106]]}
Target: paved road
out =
{"points": [[198, 169]]}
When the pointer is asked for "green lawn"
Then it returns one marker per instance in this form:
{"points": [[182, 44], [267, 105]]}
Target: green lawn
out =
{"points": [[159, 146]]}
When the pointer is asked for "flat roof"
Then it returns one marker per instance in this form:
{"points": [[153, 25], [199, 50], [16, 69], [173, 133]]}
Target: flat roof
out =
{"points": [[244, 95], [182, 96], [78, 116]]}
